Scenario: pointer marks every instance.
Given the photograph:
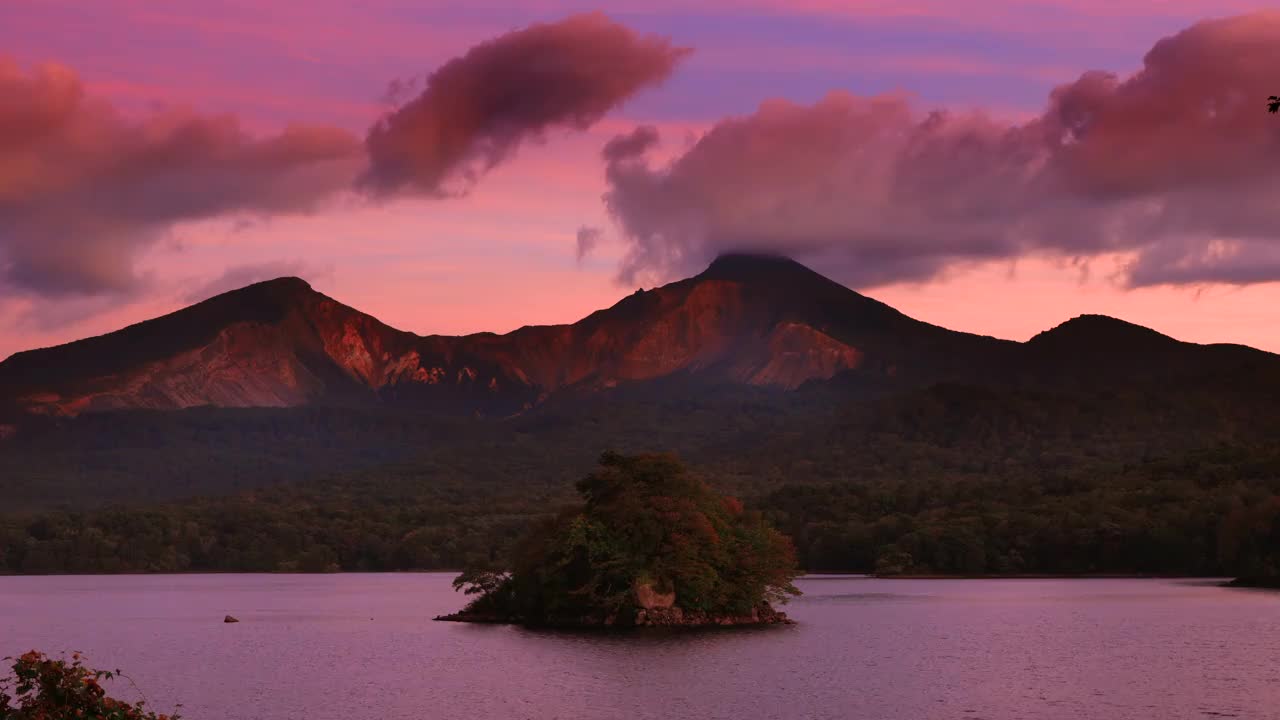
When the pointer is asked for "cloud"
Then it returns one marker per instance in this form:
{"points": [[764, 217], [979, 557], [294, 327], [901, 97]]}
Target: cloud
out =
{"points": [[477, 109], [1175, 164], [588, 239], [84, 189]]}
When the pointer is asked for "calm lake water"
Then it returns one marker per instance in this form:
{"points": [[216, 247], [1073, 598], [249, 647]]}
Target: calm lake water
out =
{"points": [[355, 647]]}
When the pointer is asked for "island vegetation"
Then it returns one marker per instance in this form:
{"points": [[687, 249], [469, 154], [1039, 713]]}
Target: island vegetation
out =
{"points": [[651, 544]]}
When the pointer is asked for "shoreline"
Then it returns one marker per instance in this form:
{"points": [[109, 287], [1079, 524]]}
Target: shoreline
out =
{"points": [[673, 618]]}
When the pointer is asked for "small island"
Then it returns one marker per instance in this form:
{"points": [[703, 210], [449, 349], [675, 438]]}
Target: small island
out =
{"points": [[651, 545]]}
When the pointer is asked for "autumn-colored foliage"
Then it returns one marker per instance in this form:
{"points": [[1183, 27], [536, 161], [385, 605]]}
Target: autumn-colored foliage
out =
{"points": [[44, 688], [645, 521]]}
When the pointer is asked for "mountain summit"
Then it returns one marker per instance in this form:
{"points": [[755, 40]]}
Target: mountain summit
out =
{"points": [[747, 319]]}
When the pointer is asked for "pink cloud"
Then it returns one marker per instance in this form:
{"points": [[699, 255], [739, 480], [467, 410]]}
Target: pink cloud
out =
{"points": [[84, 189], [477, 109], [1162, 163]]}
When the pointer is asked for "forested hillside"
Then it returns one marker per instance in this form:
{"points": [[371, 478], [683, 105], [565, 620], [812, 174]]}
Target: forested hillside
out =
{"points": [[950, 479]]}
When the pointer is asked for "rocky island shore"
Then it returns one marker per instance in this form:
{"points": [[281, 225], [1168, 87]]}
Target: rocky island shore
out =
{"points": [[651, 614]]}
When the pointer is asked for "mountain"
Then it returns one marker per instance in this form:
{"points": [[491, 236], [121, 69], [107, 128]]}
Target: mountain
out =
{"points": [[273, 428], [746, 320], [273, 344], [753, 320]]}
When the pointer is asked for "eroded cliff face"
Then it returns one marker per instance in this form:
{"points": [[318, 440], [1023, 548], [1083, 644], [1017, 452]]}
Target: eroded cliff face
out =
{"points": [[797, 353], [314, 349], [244, 365], [720, 328], [280, 343]]}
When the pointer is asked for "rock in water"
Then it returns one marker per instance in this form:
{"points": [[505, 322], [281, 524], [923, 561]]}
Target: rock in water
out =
{"points": [[229, 619]]}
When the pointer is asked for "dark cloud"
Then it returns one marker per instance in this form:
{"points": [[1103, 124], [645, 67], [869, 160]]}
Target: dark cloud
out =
{"points": [[476, 110], [588, 239], [1175, 165], [84, 189]]}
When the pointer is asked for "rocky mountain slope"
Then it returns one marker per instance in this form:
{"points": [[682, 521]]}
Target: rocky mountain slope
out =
{"points": [[747, 320]]}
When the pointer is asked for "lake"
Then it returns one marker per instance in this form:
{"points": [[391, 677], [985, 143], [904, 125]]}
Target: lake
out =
{"points": [[354, 647]]}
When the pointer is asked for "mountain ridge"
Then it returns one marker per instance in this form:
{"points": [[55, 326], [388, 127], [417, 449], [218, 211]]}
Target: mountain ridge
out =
{"points": [[746, 319]]}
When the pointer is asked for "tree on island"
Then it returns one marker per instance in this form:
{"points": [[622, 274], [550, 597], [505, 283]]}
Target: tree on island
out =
{"points": [[651, 544]]}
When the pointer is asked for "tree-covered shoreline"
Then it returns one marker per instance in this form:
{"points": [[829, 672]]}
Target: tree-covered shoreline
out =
{"points": [[1206, 513], [951, 480]]}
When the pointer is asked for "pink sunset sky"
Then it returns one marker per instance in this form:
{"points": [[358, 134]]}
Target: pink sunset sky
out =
{"points": [[996, 167]]}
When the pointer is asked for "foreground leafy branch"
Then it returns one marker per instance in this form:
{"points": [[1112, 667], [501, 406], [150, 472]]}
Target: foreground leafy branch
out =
{"points": [[44, 688]]}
